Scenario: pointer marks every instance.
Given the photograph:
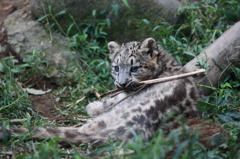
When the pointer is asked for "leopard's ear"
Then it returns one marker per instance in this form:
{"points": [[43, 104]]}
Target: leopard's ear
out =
{"points": [[149, 43], [149, 48], [113, 48]]}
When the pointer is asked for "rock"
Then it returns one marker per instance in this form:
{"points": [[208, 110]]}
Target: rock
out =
{"points": [[26, 36], [126, 23]]}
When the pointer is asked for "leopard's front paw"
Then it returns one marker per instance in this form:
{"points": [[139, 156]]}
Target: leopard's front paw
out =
{"points": [[95, 108]]}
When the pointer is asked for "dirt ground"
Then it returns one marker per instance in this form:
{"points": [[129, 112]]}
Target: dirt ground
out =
{"points": [[43, 104]]}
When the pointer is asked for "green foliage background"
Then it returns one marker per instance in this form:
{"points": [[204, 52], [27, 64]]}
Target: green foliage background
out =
{"points": [[200, 24]]}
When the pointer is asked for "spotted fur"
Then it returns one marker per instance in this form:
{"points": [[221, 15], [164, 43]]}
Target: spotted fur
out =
{"points": [[156, 106]]}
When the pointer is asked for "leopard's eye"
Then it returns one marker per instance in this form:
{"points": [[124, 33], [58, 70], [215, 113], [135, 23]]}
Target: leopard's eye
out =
{"points": [[116, 68], [134, 69]]}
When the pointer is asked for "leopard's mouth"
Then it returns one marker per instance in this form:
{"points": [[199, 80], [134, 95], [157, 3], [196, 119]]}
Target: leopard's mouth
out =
{"points": [[130, 85]]}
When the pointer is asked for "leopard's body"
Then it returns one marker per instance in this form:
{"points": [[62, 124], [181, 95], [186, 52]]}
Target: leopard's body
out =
{"points": [[156, 106]]}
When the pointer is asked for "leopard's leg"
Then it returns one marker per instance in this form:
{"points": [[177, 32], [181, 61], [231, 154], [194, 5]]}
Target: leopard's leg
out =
{"points": [[95, 108]]}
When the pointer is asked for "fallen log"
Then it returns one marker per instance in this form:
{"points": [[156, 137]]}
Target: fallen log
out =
{"points": [[219, 56]]}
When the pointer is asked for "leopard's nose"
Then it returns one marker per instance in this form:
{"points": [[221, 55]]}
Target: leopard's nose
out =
{"points": [[120, 84], [123, 84]]}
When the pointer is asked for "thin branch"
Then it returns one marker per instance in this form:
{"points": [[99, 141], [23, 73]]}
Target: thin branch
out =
{"points": [[164, 79], [73, 104]]}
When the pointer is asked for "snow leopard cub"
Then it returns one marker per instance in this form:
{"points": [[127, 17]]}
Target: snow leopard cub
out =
{"points": [[156, 106]]}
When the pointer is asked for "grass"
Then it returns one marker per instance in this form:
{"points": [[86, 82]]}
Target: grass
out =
{"points": [[204, 22]]}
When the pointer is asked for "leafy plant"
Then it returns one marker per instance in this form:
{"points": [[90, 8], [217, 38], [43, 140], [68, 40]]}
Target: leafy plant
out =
{"points": [[204, 22], [14, 101], [91, 41]]}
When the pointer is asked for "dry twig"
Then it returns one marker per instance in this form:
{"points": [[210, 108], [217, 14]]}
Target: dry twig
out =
{"points": [[158, 80]]}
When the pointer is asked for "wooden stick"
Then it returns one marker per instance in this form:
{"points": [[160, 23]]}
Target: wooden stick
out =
{"points": [[164, 79], [72, 105], [158, 80], [96, 93]]}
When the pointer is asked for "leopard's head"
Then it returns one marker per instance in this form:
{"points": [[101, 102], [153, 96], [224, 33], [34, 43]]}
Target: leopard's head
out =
{"points": [[133, 62]]}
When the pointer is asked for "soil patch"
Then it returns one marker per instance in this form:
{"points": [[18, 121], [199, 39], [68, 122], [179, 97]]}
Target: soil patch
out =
{"points": [[44, 105]]}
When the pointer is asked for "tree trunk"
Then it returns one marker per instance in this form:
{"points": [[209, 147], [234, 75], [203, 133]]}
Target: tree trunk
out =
{"points": [[219, 56]]}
